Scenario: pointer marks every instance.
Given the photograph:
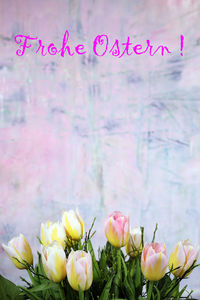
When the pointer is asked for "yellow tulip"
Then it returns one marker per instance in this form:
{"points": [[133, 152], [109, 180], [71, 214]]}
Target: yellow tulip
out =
{"points": [[52, 232], [54, 261], [79, 270], [74, 225], [134, 245], [154, 261], [19, 251], [182, 257], [117, 229]]}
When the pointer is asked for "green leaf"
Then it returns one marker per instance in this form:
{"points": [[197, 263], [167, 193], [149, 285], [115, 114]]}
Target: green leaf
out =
{"points": [[96, 270], [131, 266], [131, 283], [172, 288], [61, 291], [138, 274], [70, 292], [24, 280], [128, 290], [40, 265], [106, 291], [164, 285], [158, 293], [47, 284], [190, 293], [102, 261], [154, 233], [9, 291], [29, 294], [181, 292], [124, 268], [39, 269], [87, 296], [33, 279], [45, 290]]}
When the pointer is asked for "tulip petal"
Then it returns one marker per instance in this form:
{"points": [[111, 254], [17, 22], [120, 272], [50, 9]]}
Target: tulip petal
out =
{"points": [[177, 259], [77, 275], [81, 222], [154, 261], [192, 257], [19, 251], [134, 244], [53, 232], [73, 224], [9, 250], [43, 236], [117, 229], [156, 266], [54, 261], [79, 270]]}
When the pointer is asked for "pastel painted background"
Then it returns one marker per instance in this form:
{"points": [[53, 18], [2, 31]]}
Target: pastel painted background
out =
{"points": [[100, 133]]}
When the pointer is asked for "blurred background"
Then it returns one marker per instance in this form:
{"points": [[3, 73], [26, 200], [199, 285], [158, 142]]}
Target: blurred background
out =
{"points": [[100, 133]]}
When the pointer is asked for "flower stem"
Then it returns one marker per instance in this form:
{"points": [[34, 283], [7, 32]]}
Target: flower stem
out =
{"points": [[31, 277], [117, 278], [150, 288], [119, 265]]}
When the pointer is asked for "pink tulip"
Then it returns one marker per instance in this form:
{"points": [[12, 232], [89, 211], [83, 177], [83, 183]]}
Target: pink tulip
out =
{"points": [[79, 270], [117, 229], [182, 257], [154, 261]]}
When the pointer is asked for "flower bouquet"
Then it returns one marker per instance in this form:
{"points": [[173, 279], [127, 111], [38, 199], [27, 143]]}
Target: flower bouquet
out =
{"points": [[67, 267]]}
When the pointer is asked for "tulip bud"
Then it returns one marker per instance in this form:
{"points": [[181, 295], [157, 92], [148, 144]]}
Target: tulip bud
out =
{"points": [[79, 270], [19, 251], [74, 225], [53, 232], [54, 261], [183, 256], [134, 245], [117, 229], [154, 261]]}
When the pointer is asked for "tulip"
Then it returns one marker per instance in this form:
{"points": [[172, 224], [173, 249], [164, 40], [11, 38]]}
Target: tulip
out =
{"points": [[154, 261], [182, 257], [53, 232], [19, 251], [54, 261], [74, 225], [79, 270], [134, 245], [117, 229]]}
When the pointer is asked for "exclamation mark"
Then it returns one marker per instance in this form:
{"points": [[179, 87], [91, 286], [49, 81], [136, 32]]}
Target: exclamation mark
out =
{"points": [[182, 39]]}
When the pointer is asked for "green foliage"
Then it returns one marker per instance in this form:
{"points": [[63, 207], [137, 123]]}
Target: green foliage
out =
{"points": [[9, 291]]}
